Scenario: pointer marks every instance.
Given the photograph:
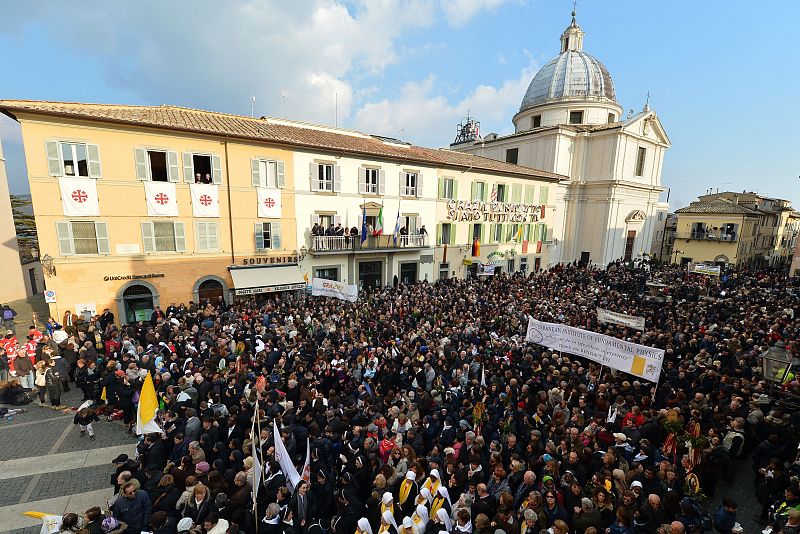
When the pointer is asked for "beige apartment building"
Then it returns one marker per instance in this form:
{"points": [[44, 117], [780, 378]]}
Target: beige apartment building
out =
{"points": [[143, 206]]}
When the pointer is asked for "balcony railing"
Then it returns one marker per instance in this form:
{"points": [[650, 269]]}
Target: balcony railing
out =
{"points": [[349, 243], [710, 236]]}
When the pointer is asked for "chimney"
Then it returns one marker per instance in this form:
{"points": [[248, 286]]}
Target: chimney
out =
{"points": [[736, 199]]}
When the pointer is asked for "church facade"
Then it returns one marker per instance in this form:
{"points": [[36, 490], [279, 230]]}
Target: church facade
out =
{"points": [[570, 123]]}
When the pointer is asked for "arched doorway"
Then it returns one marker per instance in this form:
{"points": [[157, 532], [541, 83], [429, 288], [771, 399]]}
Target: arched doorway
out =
{"points": [[210, 290], [137, 302]]}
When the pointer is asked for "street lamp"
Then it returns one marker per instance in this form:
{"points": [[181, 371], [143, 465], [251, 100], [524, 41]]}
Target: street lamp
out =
{"points": [[776, 364]]}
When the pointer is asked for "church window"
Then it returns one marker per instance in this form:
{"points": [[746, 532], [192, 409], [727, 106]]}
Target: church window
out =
{"points": [[512, 155], [576, 117], [536, 121], [611, 118], [640, 156]]}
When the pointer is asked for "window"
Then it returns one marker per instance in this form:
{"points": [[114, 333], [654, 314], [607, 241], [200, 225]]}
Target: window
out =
{"points": [[516, 193], [268, 236], [82, 237], [156, 165], [660, 215], [576, 117], [544, 194], [207, 239], [536, 121], [410, 184], [371, 181], [611, 118], [477, 230], [268, 173], [327, 273], [501, 192], [530, 192], [163, 236], [497, 233], [447, 234], [202, 168], [523, 265], [324, 177], [478, 191], [409, 222], [640, 156], [444, 270], [448, 188], [513, 232], [512, 154], [66, 158]]}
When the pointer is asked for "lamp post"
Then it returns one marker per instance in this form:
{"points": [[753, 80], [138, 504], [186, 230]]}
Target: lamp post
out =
{"points": [[776, 363]]}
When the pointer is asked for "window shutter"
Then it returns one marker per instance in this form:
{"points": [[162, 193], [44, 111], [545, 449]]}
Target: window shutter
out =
{"points": [[216, 169], [259, 233], [337, 219], [484, 192], [275, 234], [401, 179], [53, 159], [255, 172], [483, 233], [211, 232], [381, 182], [173, 168], [441, 188], [188, 168], [493, 232], [140, 157], [281, 180], [93, 155], [64, 232], [337, 178], [180, 237], [439, 226], [419, 184], [313, 175], [148, 239], [529, 192], [455, 189], [544, 193], [453, 234], [516, 193], [101, 230], [202, 237], [472, 191], [471, 233], [544, 232], [362, 181]]}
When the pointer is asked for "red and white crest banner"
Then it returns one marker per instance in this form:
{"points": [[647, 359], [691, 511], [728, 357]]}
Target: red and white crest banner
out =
{"points": [[269, 202], [161, 199], [205, 200], [79, 197]]}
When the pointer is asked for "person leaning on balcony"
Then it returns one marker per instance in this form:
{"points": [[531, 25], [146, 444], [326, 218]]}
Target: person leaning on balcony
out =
{"points": [[422, 230]]}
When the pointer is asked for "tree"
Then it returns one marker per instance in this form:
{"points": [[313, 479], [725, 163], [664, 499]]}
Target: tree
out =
{"points": [[24, 222]]}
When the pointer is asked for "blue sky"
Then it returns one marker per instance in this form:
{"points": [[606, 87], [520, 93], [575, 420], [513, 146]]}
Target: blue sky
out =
{"points": [[723, 77]]}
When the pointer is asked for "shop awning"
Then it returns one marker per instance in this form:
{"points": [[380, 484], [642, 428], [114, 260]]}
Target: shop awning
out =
{"points": [[266, 279]]}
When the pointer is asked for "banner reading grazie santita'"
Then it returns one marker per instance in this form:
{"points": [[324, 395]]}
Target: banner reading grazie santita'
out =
{"points": [[638, 360]]}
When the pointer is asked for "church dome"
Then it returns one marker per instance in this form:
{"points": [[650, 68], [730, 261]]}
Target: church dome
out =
{"points": [[573, 74]]}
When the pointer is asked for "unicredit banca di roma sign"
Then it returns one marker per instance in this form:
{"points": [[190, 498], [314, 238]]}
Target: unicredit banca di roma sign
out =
{"points": [[497, 212]]}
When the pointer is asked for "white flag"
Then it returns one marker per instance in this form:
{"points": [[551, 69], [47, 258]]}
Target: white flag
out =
{"points": [[483, 377], [282, 456], [79, 197], [269, 202], [205, 200], [161, 199], [306, 474]]}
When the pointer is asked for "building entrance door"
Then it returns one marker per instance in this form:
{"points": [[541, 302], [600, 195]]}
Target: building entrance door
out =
{"points": [[585, 258], [210, 290], [370, 274], [138, 304], [408, 273], [629, 240]]}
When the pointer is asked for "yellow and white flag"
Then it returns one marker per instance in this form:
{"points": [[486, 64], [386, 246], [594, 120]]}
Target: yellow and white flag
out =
{"points": [[51, 524], [148, 406]]}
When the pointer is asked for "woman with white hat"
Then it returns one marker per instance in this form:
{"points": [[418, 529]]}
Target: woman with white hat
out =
{"points": [[388, 524], [420, 518]]}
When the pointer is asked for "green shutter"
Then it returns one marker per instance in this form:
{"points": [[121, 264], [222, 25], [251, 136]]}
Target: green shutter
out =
{"points": [[455, 188], [53, 159], [439, 226], [544, 193], [516, 193], [473, 186], [530, 191], [441, 188]]}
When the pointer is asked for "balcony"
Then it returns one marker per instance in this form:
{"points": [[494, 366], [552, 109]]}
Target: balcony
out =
{"points": [[710, 236], [324, 244]]}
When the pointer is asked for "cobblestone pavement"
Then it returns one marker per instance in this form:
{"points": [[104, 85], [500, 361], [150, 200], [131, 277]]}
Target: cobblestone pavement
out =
{"points": [[34, 436]]}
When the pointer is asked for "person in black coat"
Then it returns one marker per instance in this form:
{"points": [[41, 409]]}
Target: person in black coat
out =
{"points": [[199, 505], [165, 496], [303, 506]]}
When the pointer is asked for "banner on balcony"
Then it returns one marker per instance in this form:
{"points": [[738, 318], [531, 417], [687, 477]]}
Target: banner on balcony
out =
{"points": [[638, 360], [205, 200], [269, 202], [486, 269], [631, 321], [161, 199], [321, 287], [79, 197]]}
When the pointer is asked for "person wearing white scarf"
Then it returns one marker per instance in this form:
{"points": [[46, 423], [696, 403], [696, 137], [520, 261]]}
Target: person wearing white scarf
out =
{"points": [[388, 524], [425, 497], [420, 518], [363, 526], [443, 519]]}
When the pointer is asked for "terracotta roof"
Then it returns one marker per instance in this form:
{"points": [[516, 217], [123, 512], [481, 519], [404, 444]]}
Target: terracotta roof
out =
{"points": [[270, 131], [717, 207]]}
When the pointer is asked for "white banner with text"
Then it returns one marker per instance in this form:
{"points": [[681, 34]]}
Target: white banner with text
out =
{"points": [[638, 360], [631, 321], [321, 287]]}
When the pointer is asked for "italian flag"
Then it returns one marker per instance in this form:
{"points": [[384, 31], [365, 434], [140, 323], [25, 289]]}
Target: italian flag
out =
{"points": [[379, 223]]}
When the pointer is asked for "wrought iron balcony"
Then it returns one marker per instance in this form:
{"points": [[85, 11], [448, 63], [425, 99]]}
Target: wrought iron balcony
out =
{"points": [[710, 236], [328, 244]]}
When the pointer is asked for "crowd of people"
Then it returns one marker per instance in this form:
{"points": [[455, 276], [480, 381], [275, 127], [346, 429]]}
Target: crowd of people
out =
{"points": [[423, 410]]}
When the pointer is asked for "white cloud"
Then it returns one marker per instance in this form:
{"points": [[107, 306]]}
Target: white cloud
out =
{"points": [[428, 118], [459, 12]]}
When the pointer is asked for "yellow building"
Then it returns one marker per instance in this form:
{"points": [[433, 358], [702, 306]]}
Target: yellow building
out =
{"points": [[138, 206], [716, 231]]}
